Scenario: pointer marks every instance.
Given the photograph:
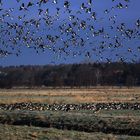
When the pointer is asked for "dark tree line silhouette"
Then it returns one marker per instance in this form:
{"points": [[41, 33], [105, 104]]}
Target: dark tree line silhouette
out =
{"points": [[103, 74]]}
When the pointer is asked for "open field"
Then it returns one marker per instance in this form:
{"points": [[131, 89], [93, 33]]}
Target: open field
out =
{"points": [[121, 125], [91, 95], [70, 114], [9, 132]]}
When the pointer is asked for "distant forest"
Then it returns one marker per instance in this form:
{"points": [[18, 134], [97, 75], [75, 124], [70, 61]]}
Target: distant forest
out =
{"points": [[101, 74]]}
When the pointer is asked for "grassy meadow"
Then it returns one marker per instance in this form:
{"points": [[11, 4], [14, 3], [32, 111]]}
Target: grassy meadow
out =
{"points": [[67, 95], [72, 125]]}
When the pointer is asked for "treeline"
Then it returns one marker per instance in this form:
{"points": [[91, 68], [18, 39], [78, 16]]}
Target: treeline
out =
{"points": [[103, 74]]}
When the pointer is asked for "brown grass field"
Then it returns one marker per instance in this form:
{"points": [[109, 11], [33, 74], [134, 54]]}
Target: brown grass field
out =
{"points": [[37, 133], [117, 120], [83, 95]]}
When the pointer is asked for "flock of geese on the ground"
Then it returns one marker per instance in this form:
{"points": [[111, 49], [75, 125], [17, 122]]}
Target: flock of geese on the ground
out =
{"points": [[67, 31], [95, 107]]}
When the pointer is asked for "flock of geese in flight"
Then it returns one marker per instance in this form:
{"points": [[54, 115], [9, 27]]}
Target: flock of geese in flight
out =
{"points": [[59, 27]]}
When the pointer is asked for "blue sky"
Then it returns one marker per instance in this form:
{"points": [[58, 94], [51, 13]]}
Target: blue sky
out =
{"points": [[29, 56]]}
